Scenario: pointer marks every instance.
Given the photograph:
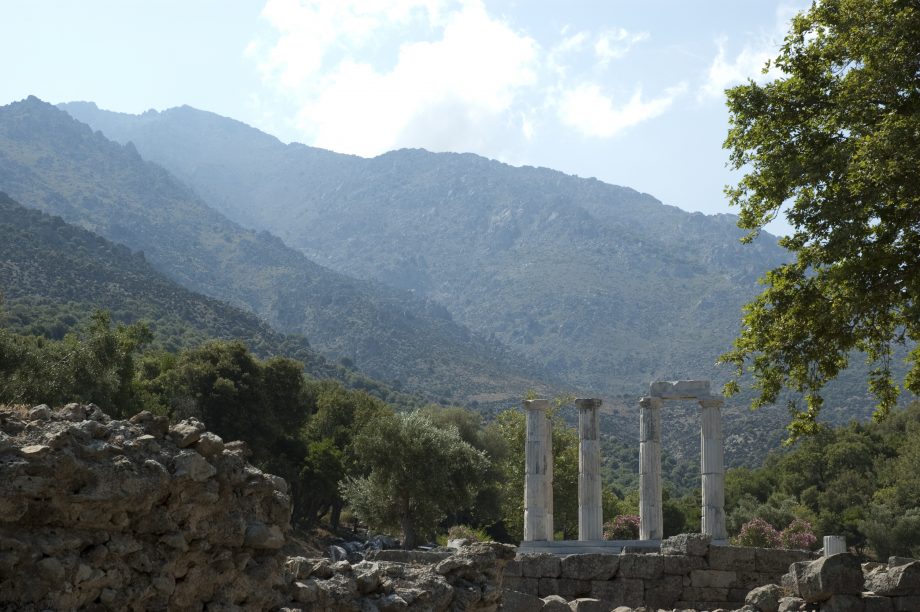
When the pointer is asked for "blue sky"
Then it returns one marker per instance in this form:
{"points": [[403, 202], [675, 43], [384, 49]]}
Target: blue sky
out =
{"points": [[627, 92]]}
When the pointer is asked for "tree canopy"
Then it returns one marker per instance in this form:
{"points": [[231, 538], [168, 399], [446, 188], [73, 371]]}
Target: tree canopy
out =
{"points": [[835, 144]]}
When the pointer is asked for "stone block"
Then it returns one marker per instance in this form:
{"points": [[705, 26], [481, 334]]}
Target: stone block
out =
{"points": [[835, 575], [877, 603], [571, 588], [590, 567], [515, 601], [894, 561], [752, 580], [842, 602], [769, 560], [908, 603], [720, 579], [663, 592], [717, 605], [531, 586], [682, 565], [619, 592], [679, 389], [897, 580], [734, 558], [512, 568], [542, 565], [641, 566], [689, 544], [586, 604], [693, 593], [765, 598]]}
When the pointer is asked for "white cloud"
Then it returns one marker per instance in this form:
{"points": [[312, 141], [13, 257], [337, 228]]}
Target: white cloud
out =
{"points": [[748, 63], [614, 44], [589, 111], [368, 76]]}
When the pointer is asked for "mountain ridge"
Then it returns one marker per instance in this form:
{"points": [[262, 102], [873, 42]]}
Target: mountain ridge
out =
{"points": [[55, 163]]}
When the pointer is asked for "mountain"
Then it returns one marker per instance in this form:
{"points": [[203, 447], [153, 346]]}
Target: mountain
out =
{"points": [[52, 162], [606, 287]]}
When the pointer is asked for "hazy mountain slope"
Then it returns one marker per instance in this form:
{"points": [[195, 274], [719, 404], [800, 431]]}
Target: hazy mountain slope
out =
{"points": [[46, 262], [50, 161], [606, 286]]}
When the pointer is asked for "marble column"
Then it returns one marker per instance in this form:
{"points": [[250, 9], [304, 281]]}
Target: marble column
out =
{"points": [[538, 466], [590, 511], [712, 468], [651, 526]]}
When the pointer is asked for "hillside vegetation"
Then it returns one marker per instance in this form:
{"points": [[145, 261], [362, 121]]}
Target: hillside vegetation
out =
{"points": [[54, 163]]}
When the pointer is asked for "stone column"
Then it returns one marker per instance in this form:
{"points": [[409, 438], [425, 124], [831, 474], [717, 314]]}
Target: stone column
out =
{"points": [[712, 468], [537, 472], [590, 512], [834, 545], [651, 526]]}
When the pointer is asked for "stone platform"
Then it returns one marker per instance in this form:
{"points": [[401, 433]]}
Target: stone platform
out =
{"points": [[581, 547]]}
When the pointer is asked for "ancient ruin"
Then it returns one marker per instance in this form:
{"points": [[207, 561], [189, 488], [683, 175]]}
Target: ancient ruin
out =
{"points": [[538, 486]]}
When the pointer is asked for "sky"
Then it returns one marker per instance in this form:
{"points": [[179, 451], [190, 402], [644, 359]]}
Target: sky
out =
{"points": [[628, 92]]}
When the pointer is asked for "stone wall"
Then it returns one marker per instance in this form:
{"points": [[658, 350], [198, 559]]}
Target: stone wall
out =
{"points": [[106, 514], [687, 573]]}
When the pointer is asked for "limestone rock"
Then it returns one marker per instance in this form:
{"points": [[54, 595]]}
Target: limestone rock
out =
{"points": [[42, 412], [765, 598], [187, 432], [791, 604], [515, 601], [892, 581], [839, 574], [590, 566], [555, 603], [691, 544]]}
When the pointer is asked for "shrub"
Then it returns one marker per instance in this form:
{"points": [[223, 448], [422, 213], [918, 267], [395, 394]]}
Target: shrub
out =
{"points": [[465, 532], [757, 532], [622, 527], [798, 535]]}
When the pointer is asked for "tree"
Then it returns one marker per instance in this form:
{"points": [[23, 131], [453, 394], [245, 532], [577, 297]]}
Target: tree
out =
{"points": [[416, 473], [835, 140]]}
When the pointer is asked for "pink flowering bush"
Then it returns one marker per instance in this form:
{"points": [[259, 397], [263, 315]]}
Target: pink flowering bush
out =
{"points": [[798, 535], [623, 527], [757, 532]]}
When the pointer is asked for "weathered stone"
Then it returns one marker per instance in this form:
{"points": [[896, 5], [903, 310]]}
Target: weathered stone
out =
{"points": [[515, 601], [894, 561], [209, 444], [663, 592], [734, 558], [907, 603], [790, 604], [687, 544], [840, 602], [590, 566], [877, 603], [626, 591], [42, 412], [765, 598], [194, 466], [641, 566], [771, 560], [720, 579], [692, 593], [407, 556], [838, 574], [896, 580], [186, 433], [262, 536], [680, 389], [513, 568], [555, 603], [72, 412], [543, 565], [682, 566], [587, 604]]}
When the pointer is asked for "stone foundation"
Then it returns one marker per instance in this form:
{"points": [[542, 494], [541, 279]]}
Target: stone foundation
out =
{"points": [[687, 573]]}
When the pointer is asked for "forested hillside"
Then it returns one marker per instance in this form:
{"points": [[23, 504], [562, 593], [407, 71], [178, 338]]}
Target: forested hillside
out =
{"points": [[52, 162]]}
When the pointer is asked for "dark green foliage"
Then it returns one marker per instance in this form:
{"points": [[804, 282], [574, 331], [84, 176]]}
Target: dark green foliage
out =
{"points": [[835, 142], [859, 481], [416, 473]]}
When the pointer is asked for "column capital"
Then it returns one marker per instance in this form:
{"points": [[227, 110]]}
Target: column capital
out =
{"points": [[537, 404], [588, 402], [713, 401], [650, 402]]}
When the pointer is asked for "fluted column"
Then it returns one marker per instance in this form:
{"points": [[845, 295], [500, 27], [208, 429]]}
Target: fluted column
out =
{"points": [[712, 468], [538, 466], [590, 512], [651, 525]]}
